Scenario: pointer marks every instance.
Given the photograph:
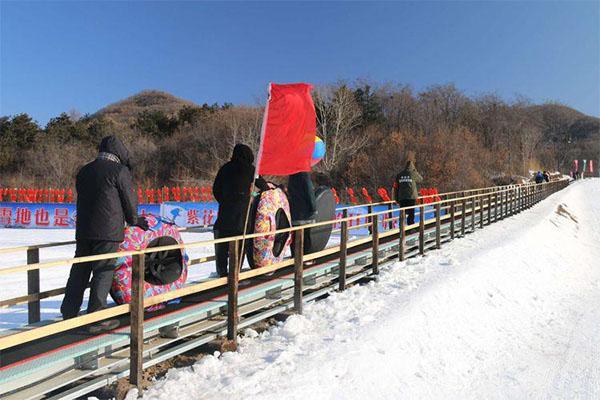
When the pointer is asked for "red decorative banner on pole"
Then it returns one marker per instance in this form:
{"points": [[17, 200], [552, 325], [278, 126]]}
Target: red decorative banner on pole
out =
{"points": [[288, 131]]}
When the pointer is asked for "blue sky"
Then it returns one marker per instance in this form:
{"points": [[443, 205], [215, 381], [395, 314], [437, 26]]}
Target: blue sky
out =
{"points": [[57, 56]]}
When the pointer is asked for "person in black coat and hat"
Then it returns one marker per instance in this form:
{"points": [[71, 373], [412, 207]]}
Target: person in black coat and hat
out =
{"points": [[105, 201], [231, 189]]}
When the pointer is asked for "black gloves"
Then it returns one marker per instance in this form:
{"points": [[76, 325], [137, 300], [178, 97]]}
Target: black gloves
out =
{"points": [[142, 223], [261, 184]]}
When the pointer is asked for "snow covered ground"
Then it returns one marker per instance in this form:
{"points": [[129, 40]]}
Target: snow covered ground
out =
{"points": [[510, 312]]}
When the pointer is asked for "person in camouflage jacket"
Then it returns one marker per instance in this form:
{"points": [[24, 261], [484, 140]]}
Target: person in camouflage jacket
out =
{"points": [[405, 190]]}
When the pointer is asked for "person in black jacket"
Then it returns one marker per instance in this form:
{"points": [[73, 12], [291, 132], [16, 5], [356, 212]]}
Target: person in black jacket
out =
{"points": [[105, 201], [301, 194], [539, 177], [231, 189]]}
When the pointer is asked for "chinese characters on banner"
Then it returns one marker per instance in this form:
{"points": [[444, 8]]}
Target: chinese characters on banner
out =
{"points": [[49, 215], [57, 216], [27, 215]]}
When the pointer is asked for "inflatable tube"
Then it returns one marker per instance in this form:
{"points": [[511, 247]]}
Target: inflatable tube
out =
{"points": [[270, 211], [165, 270], [316, 239]]}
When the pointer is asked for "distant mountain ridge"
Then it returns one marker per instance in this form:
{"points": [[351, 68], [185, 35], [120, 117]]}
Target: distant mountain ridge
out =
{"points": [[125, 111], [578, 124], [458, 141]]}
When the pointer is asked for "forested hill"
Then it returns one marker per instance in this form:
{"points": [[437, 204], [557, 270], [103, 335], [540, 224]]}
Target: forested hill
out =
{"points": [[127, 110], [457, 141], [579, 125]]}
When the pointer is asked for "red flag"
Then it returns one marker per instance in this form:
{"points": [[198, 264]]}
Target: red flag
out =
{"points": [[289, 129]]}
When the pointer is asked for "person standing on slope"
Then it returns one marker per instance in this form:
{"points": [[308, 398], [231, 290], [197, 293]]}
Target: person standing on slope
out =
{"points": [[105, 201], [231, 189], [405, 190]]}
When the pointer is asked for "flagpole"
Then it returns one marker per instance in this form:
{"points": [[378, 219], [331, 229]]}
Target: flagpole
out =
{"points": [[256, 175]]}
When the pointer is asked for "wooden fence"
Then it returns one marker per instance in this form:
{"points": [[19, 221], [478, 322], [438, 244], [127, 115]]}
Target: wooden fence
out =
{"points": [[455, 208]]}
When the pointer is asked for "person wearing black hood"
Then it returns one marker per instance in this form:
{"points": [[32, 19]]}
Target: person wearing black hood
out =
{"points": [[105, 201], [231, 189]]}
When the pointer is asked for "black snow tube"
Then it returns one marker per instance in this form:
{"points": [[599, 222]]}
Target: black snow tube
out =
{"points": [[316, 239], [163, 267]]}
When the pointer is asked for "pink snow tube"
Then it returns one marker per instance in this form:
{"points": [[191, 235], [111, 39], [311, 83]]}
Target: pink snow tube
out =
{"points": [[270, 211], [165, 270]]}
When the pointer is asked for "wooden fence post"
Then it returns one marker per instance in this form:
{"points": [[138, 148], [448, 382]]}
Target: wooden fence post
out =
{"points": [[343, 251], [522, 199], [375, 230], [473, 214], [33, 286], [390, 216], [421, 230], [452, 217], [402, 238], [233, 280], [438, 226], [481, 212], [489, 208], [298, 269], [463, 216], [136, 307], [495, 206]]}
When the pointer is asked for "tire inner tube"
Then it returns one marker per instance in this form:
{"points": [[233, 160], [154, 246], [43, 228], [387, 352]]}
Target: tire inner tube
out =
{"points": [[164, 271], [316, 239], [163, 267], [270, 211]]}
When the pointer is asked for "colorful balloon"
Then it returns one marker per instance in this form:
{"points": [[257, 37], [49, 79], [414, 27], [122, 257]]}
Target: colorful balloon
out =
{"points": [[318, 152]]}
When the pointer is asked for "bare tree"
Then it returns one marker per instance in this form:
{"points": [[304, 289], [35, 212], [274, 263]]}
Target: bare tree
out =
{"points": [[338, 116]]}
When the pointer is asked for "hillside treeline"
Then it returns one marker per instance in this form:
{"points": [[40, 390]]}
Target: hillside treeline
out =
{"points": [[457, 141]]}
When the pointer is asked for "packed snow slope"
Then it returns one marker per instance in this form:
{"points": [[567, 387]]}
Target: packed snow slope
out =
{"points": [[509, 312]]}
